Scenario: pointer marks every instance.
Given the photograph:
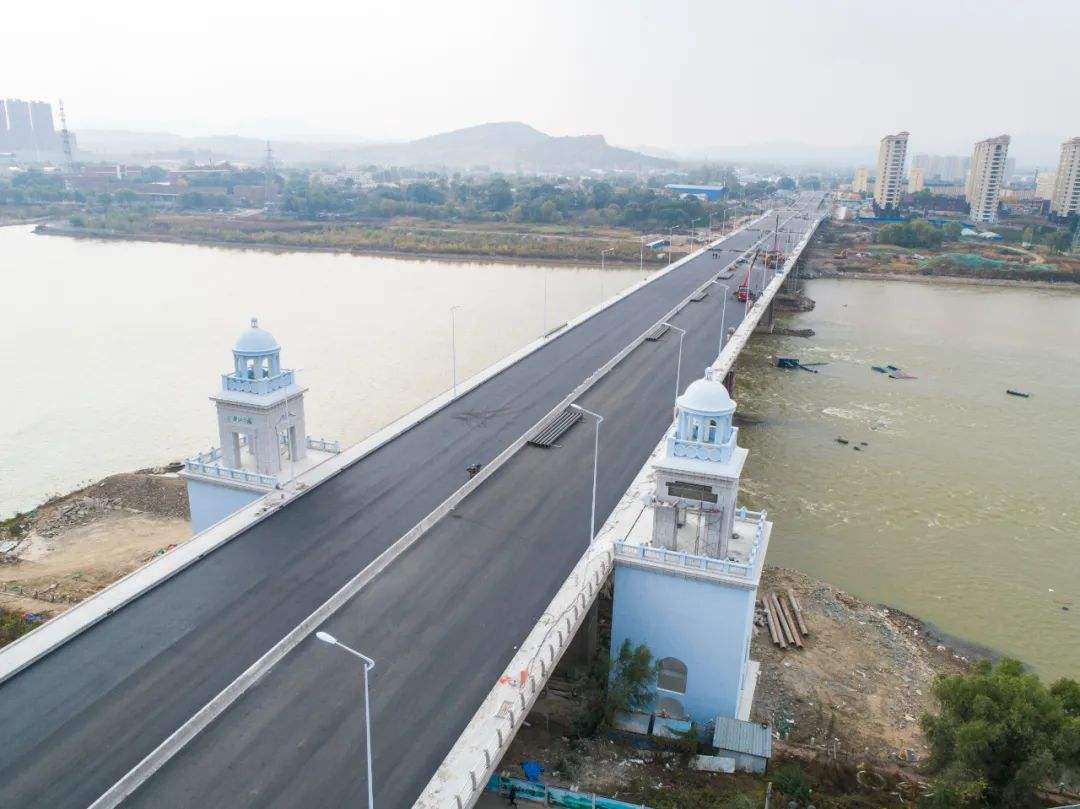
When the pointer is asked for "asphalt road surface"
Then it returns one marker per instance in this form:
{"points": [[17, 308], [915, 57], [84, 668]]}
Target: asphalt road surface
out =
{"points": [[441, 621]]}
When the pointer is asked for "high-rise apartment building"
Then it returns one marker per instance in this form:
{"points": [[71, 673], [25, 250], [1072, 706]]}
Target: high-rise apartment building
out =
{"points": [[1066, 198], [5, 137], [861, 182], [986, 177], [1044, 184], [888, 188], [941, 168], [916, 180], [45, 137], [20, 129]]}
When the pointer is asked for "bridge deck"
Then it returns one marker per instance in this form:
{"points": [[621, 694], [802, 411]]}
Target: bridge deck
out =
{"points": [[441, 621]]}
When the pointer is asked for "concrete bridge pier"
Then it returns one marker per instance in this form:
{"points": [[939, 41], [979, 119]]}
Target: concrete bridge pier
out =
{"points": [[729, 382], [586, 643], [765, 325], [791, 281]]}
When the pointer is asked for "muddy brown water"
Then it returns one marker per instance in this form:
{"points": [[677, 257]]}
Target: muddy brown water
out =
{"points": [[963, 507]]}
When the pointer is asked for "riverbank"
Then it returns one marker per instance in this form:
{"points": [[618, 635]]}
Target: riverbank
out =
{"points": [[72, 546], [406, 238], [851, 250], [850, 700], [944, 280]]}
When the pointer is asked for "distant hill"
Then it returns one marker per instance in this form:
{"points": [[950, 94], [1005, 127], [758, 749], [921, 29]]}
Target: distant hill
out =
{"points": [[509, 146], [513, 146]]}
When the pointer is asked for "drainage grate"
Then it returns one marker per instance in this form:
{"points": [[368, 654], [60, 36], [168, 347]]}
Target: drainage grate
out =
{"points": [[551, 432]]}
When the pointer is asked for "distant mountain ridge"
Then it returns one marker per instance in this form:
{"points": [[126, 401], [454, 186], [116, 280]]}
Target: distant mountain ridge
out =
{"points": [[504, 146]]}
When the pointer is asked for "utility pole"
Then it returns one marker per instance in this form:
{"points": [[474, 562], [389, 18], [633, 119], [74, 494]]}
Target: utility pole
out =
{"points": [[268, 179], [65, 140]]}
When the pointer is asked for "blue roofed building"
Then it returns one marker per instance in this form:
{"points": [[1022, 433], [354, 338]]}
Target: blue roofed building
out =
{"points": [[707, 193]]}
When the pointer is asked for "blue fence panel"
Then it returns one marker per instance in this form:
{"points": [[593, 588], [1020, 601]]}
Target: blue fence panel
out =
{"points": [[555, 796]]}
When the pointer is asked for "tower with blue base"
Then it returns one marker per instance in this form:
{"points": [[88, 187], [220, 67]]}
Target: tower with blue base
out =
{"points": [[261, 427], [686, 579]]}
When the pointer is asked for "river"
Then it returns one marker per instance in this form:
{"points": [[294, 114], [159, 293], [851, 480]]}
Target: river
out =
{"points": [[963, 508]]}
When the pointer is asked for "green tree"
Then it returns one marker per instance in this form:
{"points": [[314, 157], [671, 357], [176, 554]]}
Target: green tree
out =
{"points": [[916, 233], [786, 184], [633, 674], [154, 174], [1000, 735], [498, 196]]}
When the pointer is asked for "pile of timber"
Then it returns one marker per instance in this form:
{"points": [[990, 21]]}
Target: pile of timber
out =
{"points": [[784, 618]]}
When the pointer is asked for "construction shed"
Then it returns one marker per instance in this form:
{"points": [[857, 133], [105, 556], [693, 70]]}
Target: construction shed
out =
{"points": [[749, 744]]}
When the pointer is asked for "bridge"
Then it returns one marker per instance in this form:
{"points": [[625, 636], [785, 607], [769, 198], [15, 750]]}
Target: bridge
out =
{"points": [[201, 683]]}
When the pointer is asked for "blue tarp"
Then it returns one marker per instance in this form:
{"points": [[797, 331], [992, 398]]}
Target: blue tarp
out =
{"points": [[532, 769]]}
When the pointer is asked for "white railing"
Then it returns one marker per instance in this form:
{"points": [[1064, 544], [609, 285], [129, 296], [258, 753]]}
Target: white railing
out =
{"points": [[214, 453], [268, 385], [322, 445], [560, 632], [688, 561], [213, 470], [704, 564]]}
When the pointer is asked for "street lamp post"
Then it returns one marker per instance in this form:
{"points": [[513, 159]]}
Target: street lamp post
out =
{"points": [[723, 313], [369, 664], [545, 300], [596, 461], [453, 350], [603, 254], [678, 364]]}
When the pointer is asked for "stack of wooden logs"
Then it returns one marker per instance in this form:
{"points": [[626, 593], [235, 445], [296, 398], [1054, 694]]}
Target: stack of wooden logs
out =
{"points": [[785, 619]]}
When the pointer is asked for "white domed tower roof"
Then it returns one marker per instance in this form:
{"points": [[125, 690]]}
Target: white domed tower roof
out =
{"points": [[707, 396], [255, 341]]}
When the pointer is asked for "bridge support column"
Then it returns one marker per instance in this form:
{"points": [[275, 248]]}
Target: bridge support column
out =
{"points": [[766, 323], [586, 642], [729, 382]]}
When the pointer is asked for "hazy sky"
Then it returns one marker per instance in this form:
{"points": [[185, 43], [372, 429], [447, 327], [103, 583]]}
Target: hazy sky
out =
{"points": [[676, 75]]}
